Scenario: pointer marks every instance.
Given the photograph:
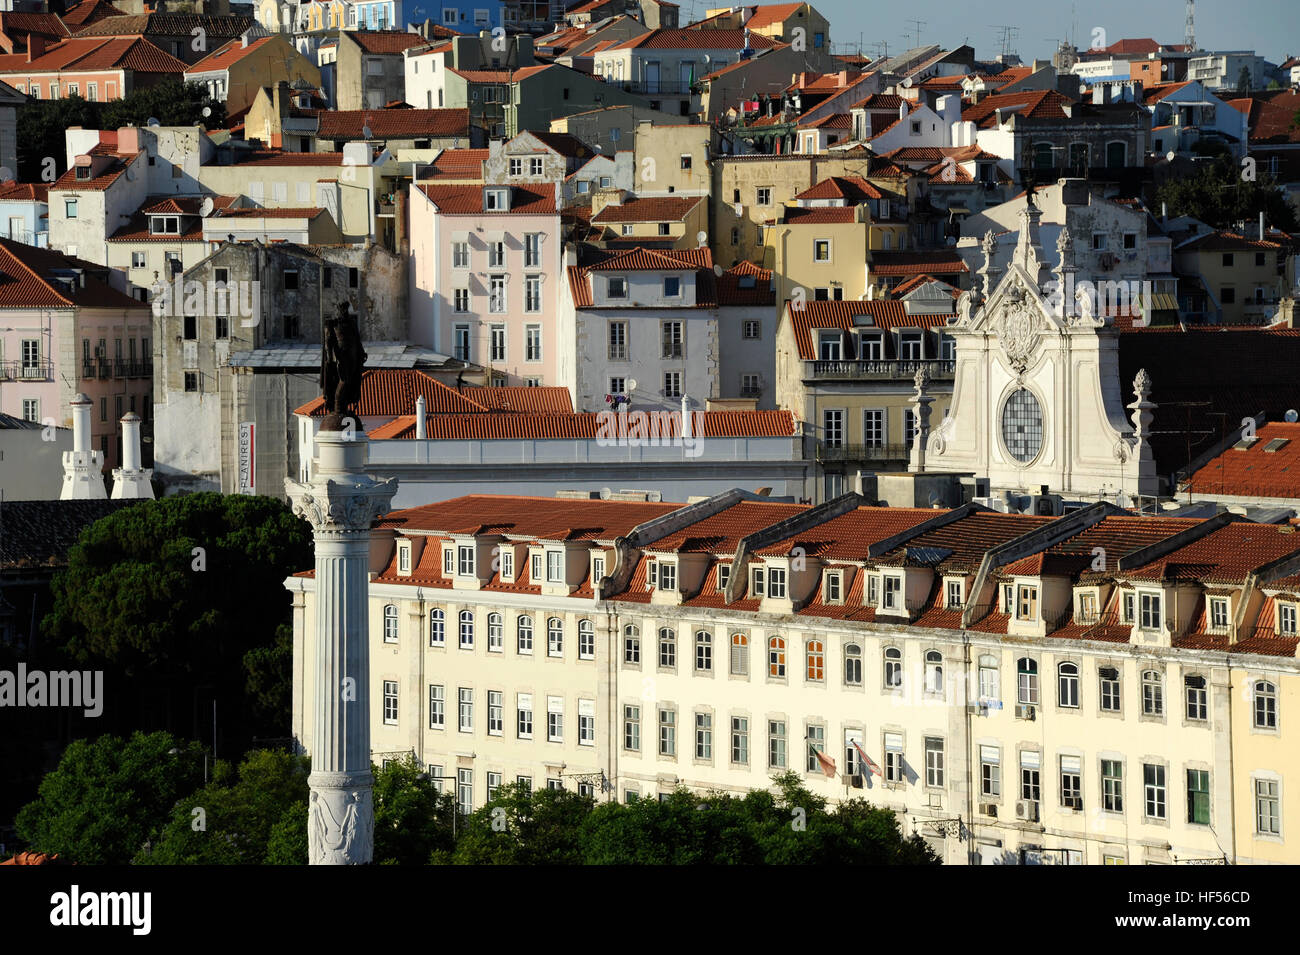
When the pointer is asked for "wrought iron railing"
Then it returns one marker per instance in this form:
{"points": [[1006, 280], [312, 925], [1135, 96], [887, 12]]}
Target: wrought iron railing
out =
{"points": [[42, 369], [883, 370]]}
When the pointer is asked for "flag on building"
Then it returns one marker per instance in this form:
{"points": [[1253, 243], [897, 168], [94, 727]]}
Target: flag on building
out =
{"points": [[866, 762], [827, 764], [750, 106]]}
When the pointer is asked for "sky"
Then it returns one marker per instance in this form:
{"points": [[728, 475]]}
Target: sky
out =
{"points": [[1269, 27]]}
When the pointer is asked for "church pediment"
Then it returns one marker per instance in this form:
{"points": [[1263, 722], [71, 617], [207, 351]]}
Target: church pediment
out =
{"points": [[1018, 316]]}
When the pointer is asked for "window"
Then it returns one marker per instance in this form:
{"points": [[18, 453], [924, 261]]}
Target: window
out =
{"points": [[390, 702], [1153, 694], [776, 744], [535, 165], [461, 304], [554, 567], [496, 200], [894, 758], [70, 208], [632, 728], [460, 255], [830, 345], [873, 427], [465, 791], [703, 651], [672, 384], [1112, 785], [990, 771], [496, 633], [1286, 619], [703, 736], [954, 588], [1197, 708], [816, 655], [1218, 613], [821, 250], [437, 701], [832, 426], [1265, 709], [740, 740], [1027, 603], [465, 560], [833, 588], [460, 342], [495, 707], [631, 644], [586, 640], [524, 635], [816, 745], [554, 637], [1149, 611], [493, 784], [1071, 782], [524, 716], [740, 654], [1027, 681], [667, 732], [497, 293], [1030, 779], [437, 628], [752, 330], [1067, 685], [934, 762], [672, 287], [667, 647], [776, 582], [893, 667], [1268, 807], [390, 624], [852, 664], [988, 678], [672, 339], [616, 287], [516, 167], [757, 578], [1198, 796], [934, 672], [465, 698], [555, 719], [1153, 787], [586, 723], [618, 341], [1108, 687], [652, 573], [667, 576], [763, 196], [467, 630], [776, 657]]}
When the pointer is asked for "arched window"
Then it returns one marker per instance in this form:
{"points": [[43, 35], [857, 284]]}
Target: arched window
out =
{"points": [[667, 647], [390, 623], [467, 629], [1265, 705], [893, 668], [1067, 683], [853, 664], [933, 672], [524, 635], [816, 660], [631, 644], [1116, 155], [740, 654], [1043, 156], [496, 632], [1153, 693], [437, 628], [703, 651], [1027, 680], [990, 688], [555, 637], [776, 656], [586, 640]]}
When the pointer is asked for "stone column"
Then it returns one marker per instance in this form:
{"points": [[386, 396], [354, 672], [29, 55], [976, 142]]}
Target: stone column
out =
{"points": [[342, 503]]}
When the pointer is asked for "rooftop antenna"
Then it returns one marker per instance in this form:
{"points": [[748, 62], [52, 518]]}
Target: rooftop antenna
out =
{"points": [[1008, 34], [915, 33], [1189, 37]]}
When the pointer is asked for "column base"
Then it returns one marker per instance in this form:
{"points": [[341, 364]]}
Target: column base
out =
{"points": [[341, 819]]}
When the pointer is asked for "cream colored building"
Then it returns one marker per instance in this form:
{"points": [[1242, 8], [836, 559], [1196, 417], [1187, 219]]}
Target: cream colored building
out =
{"points": [[1017, 689]]}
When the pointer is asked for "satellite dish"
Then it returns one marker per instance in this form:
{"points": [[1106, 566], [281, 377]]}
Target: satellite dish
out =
{"points": [[606, 493], [1083, 88], [907, 82], [206, 207], [207, 111], [631, 385], [6, 174], [153, 121], [1171, 155], [717, 269], [1292, 415]]}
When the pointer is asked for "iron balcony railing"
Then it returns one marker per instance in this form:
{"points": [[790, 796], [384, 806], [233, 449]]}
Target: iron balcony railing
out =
{"points": [[41, 369], [882, 369], [828, 452]]}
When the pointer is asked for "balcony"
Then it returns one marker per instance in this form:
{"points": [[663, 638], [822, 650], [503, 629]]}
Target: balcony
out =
{"points": [[903, 370], [865, 453], [654, 87], [105, 368], [27, 370], [120, 368]]}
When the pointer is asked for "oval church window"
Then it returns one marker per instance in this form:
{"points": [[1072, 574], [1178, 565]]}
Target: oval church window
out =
{"points": [[1022, 425]]}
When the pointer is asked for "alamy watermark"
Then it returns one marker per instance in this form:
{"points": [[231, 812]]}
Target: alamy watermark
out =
{"points": [[242, 300], [651, 429], [1118, 299], [57, 688]]}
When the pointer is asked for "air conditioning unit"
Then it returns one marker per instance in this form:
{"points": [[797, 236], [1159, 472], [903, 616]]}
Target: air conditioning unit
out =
{"points": [[1025, 711], [1027, 811], [989, 809], [856, 780], [977, 709]]}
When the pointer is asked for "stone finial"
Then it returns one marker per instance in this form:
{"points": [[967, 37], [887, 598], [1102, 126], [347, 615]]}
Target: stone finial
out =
{"points": [[922, 380], [1065, 245], [987, 245], [1142, 385]]}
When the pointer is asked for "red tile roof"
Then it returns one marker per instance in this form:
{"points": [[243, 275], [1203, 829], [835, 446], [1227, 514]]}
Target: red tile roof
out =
{"points": [[1225, 555], [15, 24], [25, 191], [771, 14], [216, 29], [886, 314], [1224, 241], [563, 143], [830, 121], [392, 392], [28, 280], [88, 11], [696, 40], [270, 157], [851, 188], [746, 284], [847, 537], [940, 262], [650, 209], [393, 123], [638, 258], [392, 42], [86, 55], [721, 532], [585, 426], [1255, 471], [532, 518], [1033, 104], [456, 164], [468, 200], [820, 215], [280, 212], [227, 55]]}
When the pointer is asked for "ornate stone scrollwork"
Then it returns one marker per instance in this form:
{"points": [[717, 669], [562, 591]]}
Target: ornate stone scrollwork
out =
{"points": [[1019, 329]]}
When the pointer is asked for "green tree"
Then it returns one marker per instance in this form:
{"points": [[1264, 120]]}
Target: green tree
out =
{"points": [[40, 128], [522, 828], [172, 104], [109, 796], [237, 816], [174, 594], [413, 820], [1218, 195], [1243, 80], [287, 844]]}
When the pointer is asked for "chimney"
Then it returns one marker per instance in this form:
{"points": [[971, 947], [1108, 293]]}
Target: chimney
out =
{"points": [[902, 111], [130, 481], [686, 417], [83, 479], [421, 430], [35, 47]]}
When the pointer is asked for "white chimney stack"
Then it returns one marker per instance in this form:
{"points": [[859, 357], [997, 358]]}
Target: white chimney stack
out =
{"points": [[421, 432], [83, 479], [686, 417], [130, 481]]}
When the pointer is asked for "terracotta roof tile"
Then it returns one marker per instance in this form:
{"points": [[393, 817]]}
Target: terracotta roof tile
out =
{"points": [[25, 191], [468, 200], [746, 284], [98, 53], [851, 188], [938, 262], [696, 40], [28, 280], [650, 209], [535, 518], [1255, 471], [819, 215], [885, 314], [583, 426], [393, 392], [392, 42], [393, 123]]}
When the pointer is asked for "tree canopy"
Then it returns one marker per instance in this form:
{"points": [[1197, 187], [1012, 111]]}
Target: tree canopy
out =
{"points": [[1218, 195], [109, 796]]}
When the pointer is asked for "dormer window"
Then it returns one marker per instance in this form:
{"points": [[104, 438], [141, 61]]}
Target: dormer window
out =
{"points": [[893, 589], [1008, 598], [1027, 602], [507, 563], [555, 567], [668, 577], [873, 589], [496, 200], [1286, 620], [757, 580], [403, 557], [1149, 609], [535, 568], [776, 582], [84, 172], [1126, 605], [465, 560], [830, 345], [164, 225], [724, 576], [833, 591], [448, 561], [954, 590], [597, 569], [1218, 614], [617, 287], [1087, 608]]}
